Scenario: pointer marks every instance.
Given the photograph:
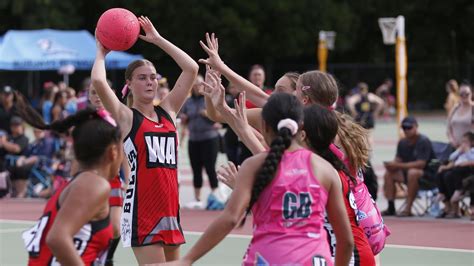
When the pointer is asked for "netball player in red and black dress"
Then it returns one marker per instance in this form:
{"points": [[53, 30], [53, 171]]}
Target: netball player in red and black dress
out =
{"points": [[150, 216], [116, 192], [75, 227]]}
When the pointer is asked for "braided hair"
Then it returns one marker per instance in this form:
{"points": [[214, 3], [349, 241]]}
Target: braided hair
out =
{"points": [[279, 106], [92, 134], [321, 127]]}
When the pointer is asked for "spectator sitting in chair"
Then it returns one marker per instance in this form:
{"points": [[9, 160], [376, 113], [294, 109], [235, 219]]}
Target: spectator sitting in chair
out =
{"points": [[451, 176], [42, 146], [39, 154], [410, 164], [15, 145]]}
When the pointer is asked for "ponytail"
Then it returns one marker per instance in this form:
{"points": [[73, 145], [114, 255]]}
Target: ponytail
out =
{"points": [[32, 117], [354, 139], [267, 171], [283, 113], [94, 130]]}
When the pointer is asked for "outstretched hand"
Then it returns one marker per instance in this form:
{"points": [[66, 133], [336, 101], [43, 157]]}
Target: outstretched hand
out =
{"points": [[214, 90], [151, 34], [227, 173], [212, 50], [240, 114]]}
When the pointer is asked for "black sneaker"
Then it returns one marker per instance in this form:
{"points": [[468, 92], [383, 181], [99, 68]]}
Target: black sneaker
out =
{"points": [[109, 263], [388, 212]]}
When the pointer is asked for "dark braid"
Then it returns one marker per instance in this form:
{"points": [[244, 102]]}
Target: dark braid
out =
{"points": [[269, 167], [278, 107], [321, 127]]}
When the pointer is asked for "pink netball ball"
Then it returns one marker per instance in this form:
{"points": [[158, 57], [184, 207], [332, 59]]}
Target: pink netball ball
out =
{"points": [[118, 29]]}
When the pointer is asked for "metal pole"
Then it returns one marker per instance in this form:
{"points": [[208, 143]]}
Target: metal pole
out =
{"points": [[401, 71], [322, 52]]}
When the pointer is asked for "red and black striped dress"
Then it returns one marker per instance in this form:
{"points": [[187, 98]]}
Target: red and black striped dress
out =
{"points": [[151, 204]]}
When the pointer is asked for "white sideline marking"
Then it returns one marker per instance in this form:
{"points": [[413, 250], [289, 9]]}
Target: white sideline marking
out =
{"points": [[430, 248], [17, 221], [193, 233], [4, 231]]}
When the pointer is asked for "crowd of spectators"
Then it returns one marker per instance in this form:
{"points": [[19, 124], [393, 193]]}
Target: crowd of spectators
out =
{"points": [[37, 163]]}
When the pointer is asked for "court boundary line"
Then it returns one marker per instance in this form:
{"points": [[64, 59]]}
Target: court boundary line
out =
{"points": [[17, 221], [12, 230], [237, 236]]}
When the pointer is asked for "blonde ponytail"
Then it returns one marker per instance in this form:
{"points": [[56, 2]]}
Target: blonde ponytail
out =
{"points": [[354, 140]]}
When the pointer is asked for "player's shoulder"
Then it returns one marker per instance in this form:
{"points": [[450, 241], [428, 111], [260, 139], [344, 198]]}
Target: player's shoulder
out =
{"points": [[256, 159], [323, 170], [84, 180]]}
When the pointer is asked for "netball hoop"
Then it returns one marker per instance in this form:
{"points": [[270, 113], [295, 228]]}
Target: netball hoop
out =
{"points": [[325, 43], [329, 37], [393, 32], [388, 26]]}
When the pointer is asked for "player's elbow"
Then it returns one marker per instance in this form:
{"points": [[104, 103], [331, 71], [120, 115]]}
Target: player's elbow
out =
{"points": [[347, 244], [350, 244], [53, 240], [193, 68], [97, 82], [232, 219]]}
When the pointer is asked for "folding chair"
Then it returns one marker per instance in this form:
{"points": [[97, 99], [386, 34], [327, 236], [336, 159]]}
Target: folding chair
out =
{"points": [[40, 176], [425, 202], [464, 206], [442, 151]]}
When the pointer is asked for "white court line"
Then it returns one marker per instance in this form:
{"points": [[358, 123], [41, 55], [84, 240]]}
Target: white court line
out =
{"points": [[4, 231], [17, 221], [430, 248], [194, 233]]}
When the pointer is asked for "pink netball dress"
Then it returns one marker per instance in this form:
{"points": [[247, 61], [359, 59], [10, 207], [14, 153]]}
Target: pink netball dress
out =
{"points": [[368, 215], [288, 217]]}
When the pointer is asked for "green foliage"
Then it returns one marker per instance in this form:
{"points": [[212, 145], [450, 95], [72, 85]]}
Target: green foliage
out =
{"points": [[274, 30]]}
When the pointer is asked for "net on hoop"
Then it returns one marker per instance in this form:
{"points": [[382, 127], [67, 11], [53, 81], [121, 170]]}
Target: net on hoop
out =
{"points": [[388, 27], [329, 37]]}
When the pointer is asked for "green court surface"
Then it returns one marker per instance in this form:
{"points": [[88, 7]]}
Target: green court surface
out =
{"points": [[231, 250]]}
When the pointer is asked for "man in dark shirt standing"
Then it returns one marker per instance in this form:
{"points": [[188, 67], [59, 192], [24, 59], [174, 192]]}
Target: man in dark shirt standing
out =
{"points": [[411, 163]]}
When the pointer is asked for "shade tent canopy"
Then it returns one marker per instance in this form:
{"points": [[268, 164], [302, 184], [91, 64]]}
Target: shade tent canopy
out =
{"points": [[49, 49]]}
